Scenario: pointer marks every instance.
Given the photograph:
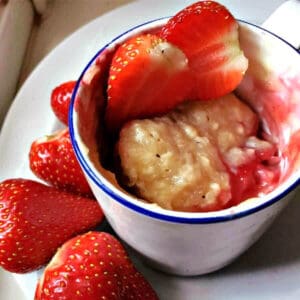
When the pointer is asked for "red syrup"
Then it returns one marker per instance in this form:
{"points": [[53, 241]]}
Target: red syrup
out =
{"points": [[281, 111], [251, 179]]}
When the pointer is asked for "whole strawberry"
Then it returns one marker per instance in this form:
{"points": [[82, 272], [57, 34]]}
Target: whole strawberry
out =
{"points": [[60, 100], [36, 219], [53, 160], [90, 267]]}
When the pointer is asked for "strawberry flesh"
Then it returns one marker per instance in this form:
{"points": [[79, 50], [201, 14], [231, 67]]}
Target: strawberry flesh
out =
{"points": [[208, 35], [148, 76]]}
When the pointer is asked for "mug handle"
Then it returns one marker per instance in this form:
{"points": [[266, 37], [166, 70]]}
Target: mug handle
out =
{"points": [[285, 22]]}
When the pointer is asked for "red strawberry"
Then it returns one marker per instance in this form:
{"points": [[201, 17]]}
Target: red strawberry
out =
{"points": [[60, 100], [208, 35], [52, 159], [36, 219], [148, 76], [93, 266]]}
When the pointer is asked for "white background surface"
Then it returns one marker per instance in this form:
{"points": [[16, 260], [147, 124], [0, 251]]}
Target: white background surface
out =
{"points": [[269, 270]]}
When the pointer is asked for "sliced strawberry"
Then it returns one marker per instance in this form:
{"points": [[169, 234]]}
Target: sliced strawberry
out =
{"points": [[36, 219], [148, 76], [93, 266], [208, 35], [52, 159], [60, 100]]}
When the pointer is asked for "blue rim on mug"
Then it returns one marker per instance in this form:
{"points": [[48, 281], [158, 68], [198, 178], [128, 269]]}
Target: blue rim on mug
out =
{"points": [[192, 218]]}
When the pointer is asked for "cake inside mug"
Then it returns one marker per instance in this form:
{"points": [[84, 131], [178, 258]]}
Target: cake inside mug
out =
{"points": [[188, 115], [201, 156]]}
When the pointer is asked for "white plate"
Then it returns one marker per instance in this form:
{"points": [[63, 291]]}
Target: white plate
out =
{"points": [[269, 270]]}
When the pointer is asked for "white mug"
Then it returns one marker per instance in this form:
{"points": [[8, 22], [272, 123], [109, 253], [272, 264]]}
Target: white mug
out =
{"points": [[198, 243]]}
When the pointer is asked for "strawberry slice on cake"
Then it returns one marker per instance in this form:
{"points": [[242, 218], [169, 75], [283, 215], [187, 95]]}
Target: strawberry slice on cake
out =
{"points": [[208, 35], [148, 76], [195, 56]]}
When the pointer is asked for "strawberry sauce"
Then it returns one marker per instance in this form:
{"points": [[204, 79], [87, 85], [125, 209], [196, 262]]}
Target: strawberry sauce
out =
{"points": [[257, 176], [279, 112]]}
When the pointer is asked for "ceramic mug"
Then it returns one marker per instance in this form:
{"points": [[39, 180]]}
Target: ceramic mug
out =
{"points": [[197, 243]]}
